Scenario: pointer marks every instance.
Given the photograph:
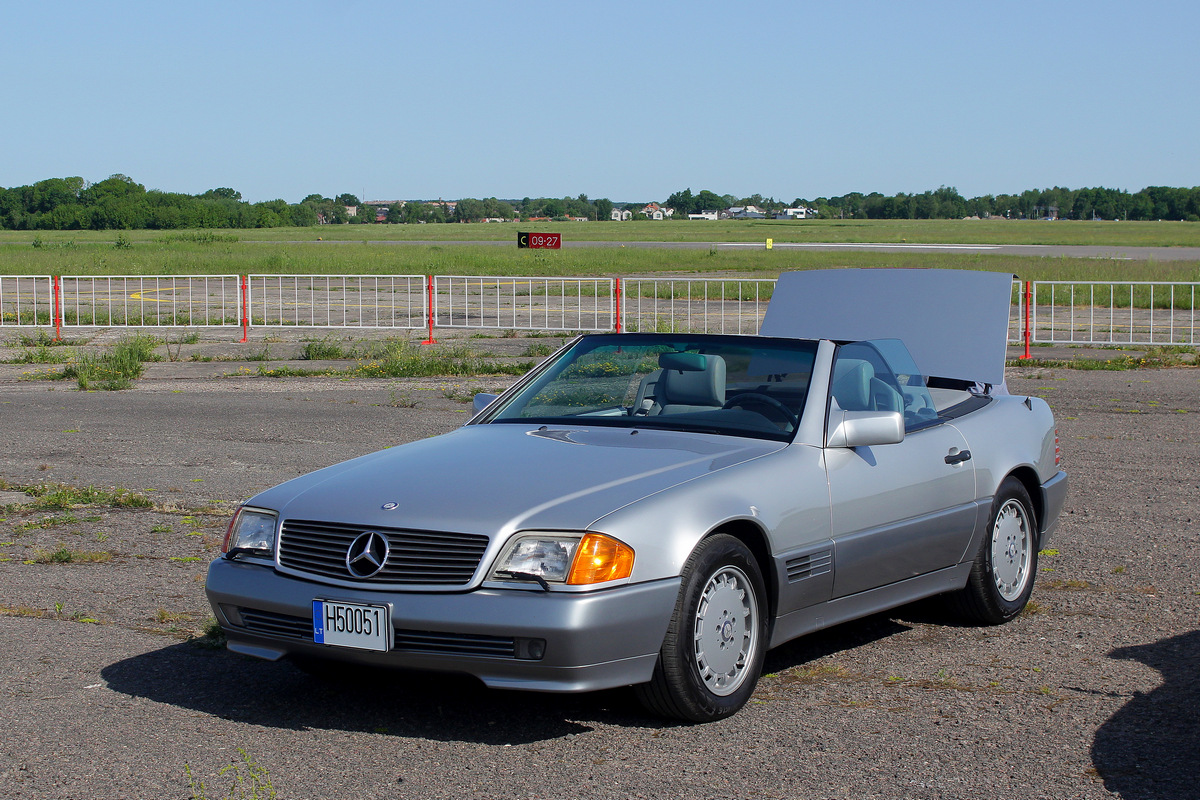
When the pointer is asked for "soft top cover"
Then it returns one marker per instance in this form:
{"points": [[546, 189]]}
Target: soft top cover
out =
{"points": [[954, 322]]}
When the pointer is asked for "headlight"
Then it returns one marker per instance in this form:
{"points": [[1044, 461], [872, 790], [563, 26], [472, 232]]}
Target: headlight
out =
{"points": [[565, 558], [251, 531]]}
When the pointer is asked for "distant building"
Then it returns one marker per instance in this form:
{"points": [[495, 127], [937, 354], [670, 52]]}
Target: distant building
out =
{"points": [[710, 216], [655, 211], [621, 215], [796, 213]]}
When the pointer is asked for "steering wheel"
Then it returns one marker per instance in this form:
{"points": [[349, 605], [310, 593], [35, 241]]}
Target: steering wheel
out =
{"points": [[765, 399]]}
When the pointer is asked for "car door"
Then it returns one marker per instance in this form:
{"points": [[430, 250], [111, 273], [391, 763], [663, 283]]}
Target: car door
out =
{"points": [[898, 510]]}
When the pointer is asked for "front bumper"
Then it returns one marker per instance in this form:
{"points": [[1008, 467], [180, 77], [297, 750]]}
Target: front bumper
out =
{"points": [[593, 640]]}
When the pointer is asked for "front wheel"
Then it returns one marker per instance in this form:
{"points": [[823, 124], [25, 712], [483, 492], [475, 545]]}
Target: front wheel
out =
{"points": [[713, 651], [1001, 578]]}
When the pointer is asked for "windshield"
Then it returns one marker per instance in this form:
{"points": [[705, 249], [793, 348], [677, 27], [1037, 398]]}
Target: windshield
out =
{"points": [[734, 385]]}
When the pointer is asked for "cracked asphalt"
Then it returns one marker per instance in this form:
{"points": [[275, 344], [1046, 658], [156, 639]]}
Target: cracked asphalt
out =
{"points": [[1092, 694]]}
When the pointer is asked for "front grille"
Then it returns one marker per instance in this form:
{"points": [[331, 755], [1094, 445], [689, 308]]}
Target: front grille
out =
{"points": [[415, 557], [285, 626], [282, 626]]}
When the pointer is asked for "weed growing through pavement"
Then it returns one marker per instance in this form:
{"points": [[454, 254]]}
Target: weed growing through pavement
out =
{"points": [[261, 355], [537, 349], [115, 368], [291, 372], [44, 339], [22, 611], [323, 350], [37, 613], [190, 337], [397, 358], [251, 781], [163, 616], [42, 354], [401, 400], [64, 555], [211, 636], [60, 496], [46, 523], [467, 394], [1155, 357]]}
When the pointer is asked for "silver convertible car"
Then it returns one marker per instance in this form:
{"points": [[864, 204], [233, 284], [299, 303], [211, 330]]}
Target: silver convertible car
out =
{"points": [[658, 510]]}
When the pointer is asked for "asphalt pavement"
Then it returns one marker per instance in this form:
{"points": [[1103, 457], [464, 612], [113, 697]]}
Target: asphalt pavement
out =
{"points": [[1092, 694]]}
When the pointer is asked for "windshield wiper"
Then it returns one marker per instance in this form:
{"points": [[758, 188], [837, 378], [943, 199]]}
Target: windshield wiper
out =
{"points": [[527, 576]]}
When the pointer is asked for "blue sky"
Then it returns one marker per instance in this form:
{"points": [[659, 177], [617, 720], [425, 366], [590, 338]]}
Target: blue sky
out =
{"points": [[399, 100]]}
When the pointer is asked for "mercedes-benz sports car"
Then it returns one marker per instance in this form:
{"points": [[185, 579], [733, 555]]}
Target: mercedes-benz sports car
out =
{"points": [[658, 510]]}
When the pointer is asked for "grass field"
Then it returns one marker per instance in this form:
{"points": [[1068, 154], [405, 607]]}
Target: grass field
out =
{"points": [[1147, 234], [353, 249]]}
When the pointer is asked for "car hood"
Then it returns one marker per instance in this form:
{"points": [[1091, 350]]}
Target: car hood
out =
{"points": [[499, 478]]}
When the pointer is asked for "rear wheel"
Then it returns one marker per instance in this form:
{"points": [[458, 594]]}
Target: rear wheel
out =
{"points": [[713, 651], [1002, 576]]}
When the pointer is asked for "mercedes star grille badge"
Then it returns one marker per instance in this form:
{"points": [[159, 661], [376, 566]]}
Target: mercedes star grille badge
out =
{"points": [[367, 554]]}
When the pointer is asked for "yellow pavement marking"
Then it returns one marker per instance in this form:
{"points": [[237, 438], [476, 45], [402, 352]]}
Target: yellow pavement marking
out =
{"points": [[139, 295]]}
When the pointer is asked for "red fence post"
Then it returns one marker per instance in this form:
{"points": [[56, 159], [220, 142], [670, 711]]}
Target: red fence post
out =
{"points": [[245, 311], [617, 288], [1028, 297], [429, 308], [57, 310]]}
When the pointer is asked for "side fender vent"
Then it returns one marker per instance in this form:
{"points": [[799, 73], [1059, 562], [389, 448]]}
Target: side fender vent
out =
{"points": [[809, 565]]}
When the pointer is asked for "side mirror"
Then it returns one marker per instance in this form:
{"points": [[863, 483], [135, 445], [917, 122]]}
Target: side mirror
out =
{"points": [[482, 401], [864, 428]]}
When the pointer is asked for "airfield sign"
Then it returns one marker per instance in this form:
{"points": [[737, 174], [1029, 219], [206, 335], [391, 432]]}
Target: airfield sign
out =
{"points": [[551, 241]]}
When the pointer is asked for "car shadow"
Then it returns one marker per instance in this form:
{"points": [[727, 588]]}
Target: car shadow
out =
{"points": [[426, 705], [396, 703], [833, 640], [1150, 748]]}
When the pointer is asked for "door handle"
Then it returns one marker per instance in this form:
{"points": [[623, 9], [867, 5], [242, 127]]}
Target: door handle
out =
{"points": [[959, 457]]}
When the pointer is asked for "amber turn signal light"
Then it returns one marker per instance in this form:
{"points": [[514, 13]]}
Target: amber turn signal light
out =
{"points": [[600, 558]]}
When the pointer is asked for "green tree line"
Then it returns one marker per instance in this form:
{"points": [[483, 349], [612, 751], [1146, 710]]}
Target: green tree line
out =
{"points": [[118, 202], [1151, 203]]}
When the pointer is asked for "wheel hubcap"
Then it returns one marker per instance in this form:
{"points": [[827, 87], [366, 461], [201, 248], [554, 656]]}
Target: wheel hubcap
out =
{"points": [[1011, 550], [726, 630]]}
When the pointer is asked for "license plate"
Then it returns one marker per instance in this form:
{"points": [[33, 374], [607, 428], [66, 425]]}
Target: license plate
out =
{"points": [[352, 625]]}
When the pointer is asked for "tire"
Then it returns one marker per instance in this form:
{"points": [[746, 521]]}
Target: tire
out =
{"points": [[713, 651], [1002, 576]]}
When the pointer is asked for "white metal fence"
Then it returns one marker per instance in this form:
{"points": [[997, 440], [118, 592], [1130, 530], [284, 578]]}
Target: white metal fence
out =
{"points": [[26, 300], [111, 301], [695, 305], [1056, 312], [1131, 313], [548, 304], [337, 301]]}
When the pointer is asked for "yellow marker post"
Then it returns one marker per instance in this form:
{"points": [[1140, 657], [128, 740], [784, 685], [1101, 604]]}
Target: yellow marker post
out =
{"points": [[770, 243]]}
